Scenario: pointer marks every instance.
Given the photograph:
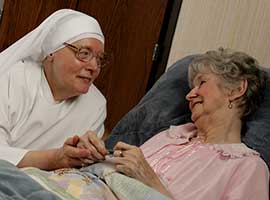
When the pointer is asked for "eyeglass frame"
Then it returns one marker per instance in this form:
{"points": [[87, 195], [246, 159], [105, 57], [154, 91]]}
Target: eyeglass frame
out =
{"points": [[76, 50]]}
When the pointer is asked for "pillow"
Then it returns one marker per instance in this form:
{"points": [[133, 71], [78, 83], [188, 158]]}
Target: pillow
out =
{"points": [[257, 132], [165, 105]]}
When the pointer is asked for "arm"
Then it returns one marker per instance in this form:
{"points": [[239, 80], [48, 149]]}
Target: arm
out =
{"points": [[66, 156], [132, 163], [76, 152]]}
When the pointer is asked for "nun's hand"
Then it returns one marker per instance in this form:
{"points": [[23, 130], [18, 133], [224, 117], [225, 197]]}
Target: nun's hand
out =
{"points": [[94, 145], [69, 155]]}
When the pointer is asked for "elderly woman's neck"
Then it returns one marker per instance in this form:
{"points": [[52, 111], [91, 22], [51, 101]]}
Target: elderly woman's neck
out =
{"points": [[220, 132]]}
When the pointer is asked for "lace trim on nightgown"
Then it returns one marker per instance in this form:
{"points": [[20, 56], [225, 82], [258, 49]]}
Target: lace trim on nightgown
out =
{"points": [[236, 150]]}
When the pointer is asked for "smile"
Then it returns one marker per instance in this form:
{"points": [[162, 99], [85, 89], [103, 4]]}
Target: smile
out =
{"points": [[192, 104], [85, 77]]}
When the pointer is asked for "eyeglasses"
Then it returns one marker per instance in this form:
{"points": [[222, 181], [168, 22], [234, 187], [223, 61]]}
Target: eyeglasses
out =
{"points": [[86, 54]]}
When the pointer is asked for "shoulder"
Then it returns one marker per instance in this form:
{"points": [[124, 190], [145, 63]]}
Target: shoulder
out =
{"points": [[249, 164], [25, 66], [24, 77], [255, 164], [249, 179], [239, 153], [25, 72], [21, 77], [18, 89]]}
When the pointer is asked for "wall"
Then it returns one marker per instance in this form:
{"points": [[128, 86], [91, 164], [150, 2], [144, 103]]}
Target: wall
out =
{"points": [[208, 24]]}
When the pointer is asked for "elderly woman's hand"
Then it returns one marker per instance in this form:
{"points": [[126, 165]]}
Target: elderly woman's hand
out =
{"points": [[69, 155], [130, 161], [95, 146]]}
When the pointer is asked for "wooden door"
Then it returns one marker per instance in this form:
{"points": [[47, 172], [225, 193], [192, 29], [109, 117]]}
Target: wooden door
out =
{"points": [[131, 29], [21, 16]]}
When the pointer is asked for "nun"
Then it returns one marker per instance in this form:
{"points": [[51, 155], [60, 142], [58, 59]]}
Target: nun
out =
{"points": [[48, 99]]}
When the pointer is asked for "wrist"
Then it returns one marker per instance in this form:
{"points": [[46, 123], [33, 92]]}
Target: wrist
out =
{"points": [[55, 159]]}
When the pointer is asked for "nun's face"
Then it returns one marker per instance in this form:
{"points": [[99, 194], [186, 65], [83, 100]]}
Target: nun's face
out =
{"points": [[71, 74]]}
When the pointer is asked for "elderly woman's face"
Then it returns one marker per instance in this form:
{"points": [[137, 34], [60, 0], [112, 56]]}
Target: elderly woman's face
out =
{"points": [[70, 76], [207, 98]]}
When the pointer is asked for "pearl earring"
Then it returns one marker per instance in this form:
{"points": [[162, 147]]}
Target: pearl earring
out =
{"points": [[230, 105]]}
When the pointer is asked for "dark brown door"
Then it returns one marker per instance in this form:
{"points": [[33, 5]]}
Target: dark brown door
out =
{"points": [[131, 29], [21, 16]]}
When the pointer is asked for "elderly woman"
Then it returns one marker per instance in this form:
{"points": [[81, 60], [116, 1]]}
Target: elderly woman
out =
{"points": [[47, 92], [206, 160]]}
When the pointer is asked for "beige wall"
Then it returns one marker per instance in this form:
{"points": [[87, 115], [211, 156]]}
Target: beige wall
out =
{"points": [[1, 5], [208, 24]]}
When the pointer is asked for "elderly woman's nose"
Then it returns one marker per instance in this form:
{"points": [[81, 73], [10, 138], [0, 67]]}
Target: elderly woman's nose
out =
{"points": [[192, 94]]}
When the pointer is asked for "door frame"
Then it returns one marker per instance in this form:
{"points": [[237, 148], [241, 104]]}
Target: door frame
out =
{"points": [[162, 51]]}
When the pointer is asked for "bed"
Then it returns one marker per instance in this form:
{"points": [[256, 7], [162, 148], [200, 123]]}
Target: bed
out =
{"points": [[162, 106]]}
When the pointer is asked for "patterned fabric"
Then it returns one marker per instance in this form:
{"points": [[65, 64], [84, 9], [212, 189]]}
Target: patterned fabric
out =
{"points": [[124, 187], [71, 184], [98, 181]]}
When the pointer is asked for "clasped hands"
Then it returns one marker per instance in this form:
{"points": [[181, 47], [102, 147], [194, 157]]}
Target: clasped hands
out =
{"points": [[87, 149]]}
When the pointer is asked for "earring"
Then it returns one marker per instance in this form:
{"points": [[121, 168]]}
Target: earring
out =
{"points": [[230, 105]]}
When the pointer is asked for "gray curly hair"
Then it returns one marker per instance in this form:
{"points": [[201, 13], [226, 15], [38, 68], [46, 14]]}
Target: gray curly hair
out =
{"points": [[232, 67]]}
